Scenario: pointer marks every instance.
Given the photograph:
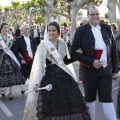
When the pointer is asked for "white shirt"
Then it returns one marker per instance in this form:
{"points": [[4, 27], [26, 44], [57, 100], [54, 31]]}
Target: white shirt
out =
{"points": [[100, 44], [35, 33], [27, 40]]}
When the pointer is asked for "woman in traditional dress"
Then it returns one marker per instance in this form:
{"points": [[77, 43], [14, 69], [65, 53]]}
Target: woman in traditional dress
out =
{"points": [[64, 101], [10, 73]]}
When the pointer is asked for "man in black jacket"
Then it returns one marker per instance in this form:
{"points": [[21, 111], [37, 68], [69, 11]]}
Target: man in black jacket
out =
{"points": [[17, 32], [24, 50], [35, 33], [94, 46]]}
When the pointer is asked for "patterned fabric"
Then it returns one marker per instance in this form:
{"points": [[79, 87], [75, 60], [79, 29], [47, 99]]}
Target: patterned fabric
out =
{"points": [[118, 102], [64, 101], [10, 73]]}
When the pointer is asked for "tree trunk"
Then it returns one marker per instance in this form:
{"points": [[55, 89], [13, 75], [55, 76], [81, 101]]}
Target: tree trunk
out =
{"points": [[48, 11], [30, 17], [48, 16], [73, 20], [112, 11], [77, 4]]}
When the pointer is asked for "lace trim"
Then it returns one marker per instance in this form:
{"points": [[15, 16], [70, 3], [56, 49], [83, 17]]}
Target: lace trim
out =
{"points": [[80, 116], [38, 67]]}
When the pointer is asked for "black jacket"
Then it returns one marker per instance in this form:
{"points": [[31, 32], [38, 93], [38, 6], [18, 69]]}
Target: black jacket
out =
{"points": [[32, 32], [84, 39], [20, 47], [17, 33]]}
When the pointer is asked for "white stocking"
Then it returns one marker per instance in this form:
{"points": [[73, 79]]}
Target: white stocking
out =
{"points": [[109, 111], [91, 106]]}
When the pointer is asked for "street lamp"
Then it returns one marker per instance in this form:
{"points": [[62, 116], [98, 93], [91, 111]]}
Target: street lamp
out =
{"points": [[69, 8]]}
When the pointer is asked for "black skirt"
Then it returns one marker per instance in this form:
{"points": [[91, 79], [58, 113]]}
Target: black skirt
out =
{"points": [[64, 101], [10, 73]]}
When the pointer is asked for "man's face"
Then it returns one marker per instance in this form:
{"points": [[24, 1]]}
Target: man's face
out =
{"points": [[26, 30], [35, 26], [93, 15]]}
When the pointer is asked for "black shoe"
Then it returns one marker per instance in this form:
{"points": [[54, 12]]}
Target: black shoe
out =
{"points": [[10, 97], [3, 95], [22, 92]]}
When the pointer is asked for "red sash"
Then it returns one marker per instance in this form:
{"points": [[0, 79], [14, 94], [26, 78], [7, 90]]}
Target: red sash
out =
{"points": [[28, 58], [98, 54]]}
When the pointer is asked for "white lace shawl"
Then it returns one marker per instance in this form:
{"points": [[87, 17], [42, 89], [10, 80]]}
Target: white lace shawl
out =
{"points": [[39, 63]]}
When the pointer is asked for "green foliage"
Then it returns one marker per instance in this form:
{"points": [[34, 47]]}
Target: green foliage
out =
{"points": [[118, 19], [106, 15], [21, 10], [7, 8], [64, 21], [96, 1], [1, 8], [80, 14], [39, 19]]}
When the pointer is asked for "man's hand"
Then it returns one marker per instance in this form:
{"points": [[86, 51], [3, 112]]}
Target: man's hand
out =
{"points": [[114, 76], [79, 50], [23, 62], [97, 64]]}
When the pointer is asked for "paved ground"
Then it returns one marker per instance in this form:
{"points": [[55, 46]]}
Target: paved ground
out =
{"points": [[13, 110]]}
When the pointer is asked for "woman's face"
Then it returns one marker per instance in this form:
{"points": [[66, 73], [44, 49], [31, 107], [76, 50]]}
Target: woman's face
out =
{"points": [[53, 33], [112, 27], [4, 30]]}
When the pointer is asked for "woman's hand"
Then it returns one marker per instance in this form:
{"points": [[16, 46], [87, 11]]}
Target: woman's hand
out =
{"points": [[23, 62], [36, 88]]}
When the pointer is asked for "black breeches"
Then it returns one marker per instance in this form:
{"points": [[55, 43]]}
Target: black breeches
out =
{"points": [[97, 81], [26, 69]]}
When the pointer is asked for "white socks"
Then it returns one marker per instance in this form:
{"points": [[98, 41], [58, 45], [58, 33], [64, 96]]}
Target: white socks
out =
{"points": [[109, 111], [91, 108]]}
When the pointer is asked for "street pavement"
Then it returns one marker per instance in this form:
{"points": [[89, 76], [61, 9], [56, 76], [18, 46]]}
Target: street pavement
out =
{"points": [[14, 109]]}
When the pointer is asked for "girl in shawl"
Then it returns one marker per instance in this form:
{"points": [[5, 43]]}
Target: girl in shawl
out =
{"points": [[10, 73], [64, 101]]}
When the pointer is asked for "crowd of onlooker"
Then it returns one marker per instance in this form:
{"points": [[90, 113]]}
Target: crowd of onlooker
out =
{"points": [[39, 32]]}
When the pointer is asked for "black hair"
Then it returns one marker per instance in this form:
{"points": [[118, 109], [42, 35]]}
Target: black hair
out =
{"points": [[81, 24], [102, 21], [56, 25], [65, 25], [89, 9], [2, 26], [114, 25]]}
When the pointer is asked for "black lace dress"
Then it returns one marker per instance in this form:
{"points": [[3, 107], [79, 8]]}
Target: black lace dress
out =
{"points": [[10, 73], [64, 101]]}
